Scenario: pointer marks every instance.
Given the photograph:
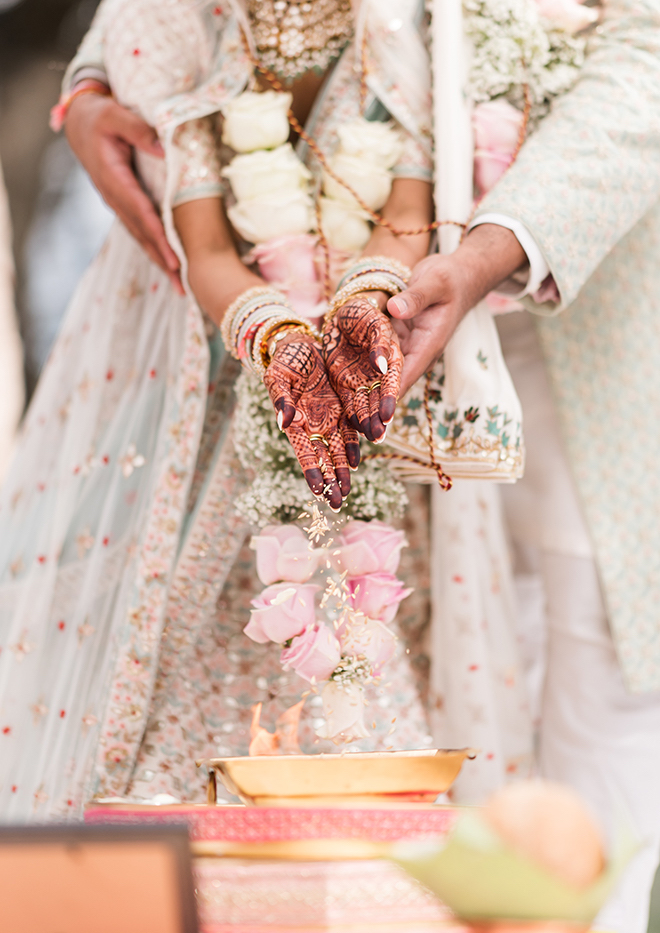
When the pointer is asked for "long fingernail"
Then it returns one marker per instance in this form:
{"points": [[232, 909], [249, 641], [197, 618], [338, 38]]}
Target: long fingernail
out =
{"points": [[380, 440], [353, 455], [280, 420], [382, 364]]}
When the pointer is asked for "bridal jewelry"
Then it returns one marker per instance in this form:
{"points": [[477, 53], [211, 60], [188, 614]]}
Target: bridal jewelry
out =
{"points": [[253, 320], [293, 36], [368, 282], [368, 265], [370, 274]]}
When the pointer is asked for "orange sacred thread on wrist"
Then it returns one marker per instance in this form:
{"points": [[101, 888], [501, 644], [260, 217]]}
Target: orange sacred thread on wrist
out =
{"points": [[87, 86]]}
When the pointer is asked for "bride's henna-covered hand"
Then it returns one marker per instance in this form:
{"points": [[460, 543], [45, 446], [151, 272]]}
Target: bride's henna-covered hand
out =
{"points": [[364, 364], [308, 410]]}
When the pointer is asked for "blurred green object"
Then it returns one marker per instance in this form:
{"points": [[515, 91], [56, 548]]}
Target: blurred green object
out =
{"points": [[480, 878], [654, 917]]}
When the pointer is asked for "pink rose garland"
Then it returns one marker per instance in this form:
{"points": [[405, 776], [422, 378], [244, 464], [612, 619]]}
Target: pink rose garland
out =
{"points": [[314, 654], [355, 648]]}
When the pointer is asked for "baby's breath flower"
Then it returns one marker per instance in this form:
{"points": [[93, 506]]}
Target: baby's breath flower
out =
{"points": [[514, 48], [352, 670]]}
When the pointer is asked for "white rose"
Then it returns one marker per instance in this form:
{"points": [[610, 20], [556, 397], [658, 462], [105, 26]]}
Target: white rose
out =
{"points": [[379, 143], [343, 708], [256, 121], [345, 229], [372, 183], [266, 171], [279, 214]]}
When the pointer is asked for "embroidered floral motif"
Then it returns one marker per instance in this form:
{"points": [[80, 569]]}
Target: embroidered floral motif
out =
{"points": [[464, 439], [131, 461]]}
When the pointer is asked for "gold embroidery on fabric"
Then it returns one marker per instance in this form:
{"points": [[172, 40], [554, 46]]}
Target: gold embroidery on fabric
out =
{"points": [[293, 37]]}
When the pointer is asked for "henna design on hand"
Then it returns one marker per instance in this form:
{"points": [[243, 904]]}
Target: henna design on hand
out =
{"points": [[311, 414], [364, 364]]}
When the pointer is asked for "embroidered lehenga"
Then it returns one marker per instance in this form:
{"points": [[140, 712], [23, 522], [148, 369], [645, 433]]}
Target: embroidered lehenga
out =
{"points": [[126, 578]]}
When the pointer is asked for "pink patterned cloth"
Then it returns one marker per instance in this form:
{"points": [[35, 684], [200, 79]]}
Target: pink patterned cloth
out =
{"points": [[277, 824], [363, 896]]}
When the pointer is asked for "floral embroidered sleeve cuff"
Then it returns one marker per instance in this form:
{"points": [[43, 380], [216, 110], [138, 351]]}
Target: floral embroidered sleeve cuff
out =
{"points": [[196, 145]]}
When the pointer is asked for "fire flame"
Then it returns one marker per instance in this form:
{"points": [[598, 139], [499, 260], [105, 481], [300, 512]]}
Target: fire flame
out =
{"points": [[284, 741]]}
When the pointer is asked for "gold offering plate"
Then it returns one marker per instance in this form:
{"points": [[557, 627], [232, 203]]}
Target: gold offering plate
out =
{"points": [[293, 850], [352, 779]]}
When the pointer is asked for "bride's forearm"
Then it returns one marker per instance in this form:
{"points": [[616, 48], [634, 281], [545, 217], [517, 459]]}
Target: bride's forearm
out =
{"points": [[217, 278], [409, 207], [215, 271]]}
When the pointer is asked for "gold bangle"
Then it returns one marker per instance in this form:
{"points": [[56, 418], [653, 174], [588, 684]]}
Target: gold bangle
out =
{"points": [[365, 284], [235, 307], [277, 331], [372, 264], [268, 343]]}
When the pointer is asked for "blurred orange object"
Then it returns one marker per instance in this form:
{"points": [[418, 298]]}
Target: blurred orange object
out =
{"points": [[550, 824]]}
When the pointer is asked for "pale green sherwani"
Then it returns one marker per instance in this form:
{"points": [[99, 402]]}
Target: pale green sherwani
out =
{"points": [[586, 185]]}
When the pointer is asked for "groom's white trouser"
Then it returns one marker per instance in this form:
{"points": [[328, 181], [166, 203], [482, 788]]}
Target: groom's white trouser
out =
{"points": [[593, 734]]}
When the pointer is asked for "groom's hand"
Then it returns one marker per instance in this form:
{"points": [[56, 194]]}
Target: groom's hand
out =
{"points": [[443, 289], [103, 135], [427, 313]]}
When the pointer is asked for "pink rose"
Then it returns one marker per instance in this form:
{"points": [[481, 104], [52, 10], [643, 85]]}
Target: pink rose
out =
{"points": [[368, 547], [367, 638], [377, 595], [566, 14], [313, 655], [496, 126], [489, 168], [281, 611], [290, 262], [284, 553]]}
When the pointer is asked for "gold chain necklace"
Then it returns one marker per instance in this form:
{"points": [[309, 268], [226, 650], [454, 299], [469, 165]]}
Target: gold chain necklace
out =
{"points": [[294, 36]]}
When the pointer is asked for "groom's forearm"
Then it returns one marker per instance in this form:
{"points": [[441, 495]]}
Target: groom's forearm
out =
{"points": [[488, 255]]}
